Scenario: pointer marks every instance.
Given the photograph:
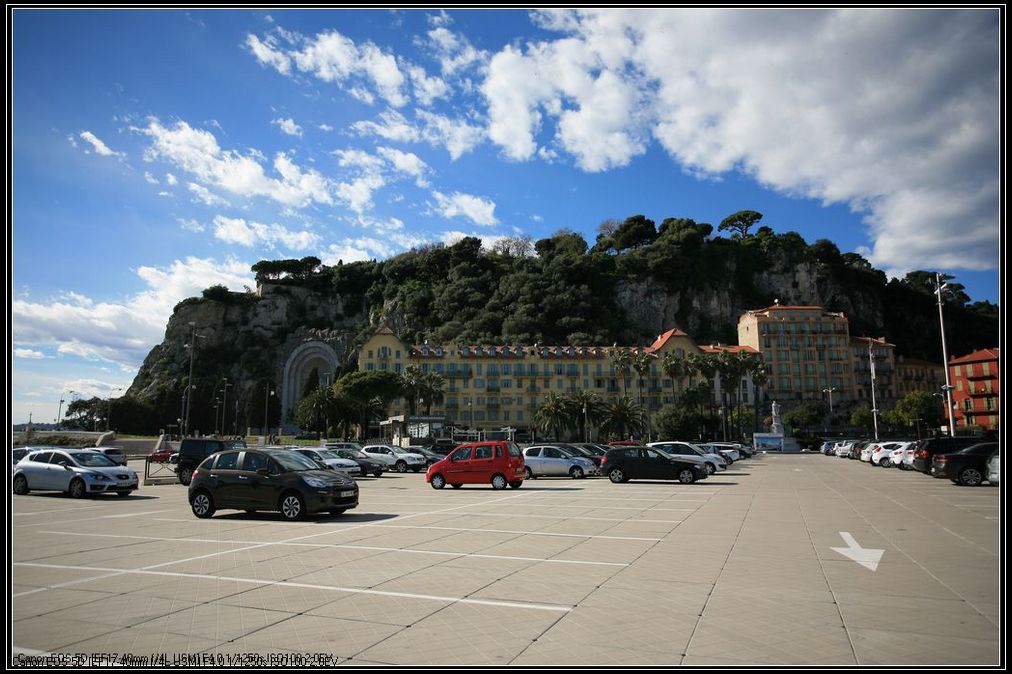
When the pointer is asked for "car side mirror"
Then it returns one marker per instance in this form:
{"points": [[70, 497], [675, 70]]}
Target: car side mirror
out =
{"points": [[67, 467]]}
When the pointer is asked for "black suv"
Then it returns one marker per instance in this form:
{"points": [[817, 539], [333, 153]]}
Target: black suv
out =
{"points": [[967, 467], [269, 479], [621, 464], [194, 450], [927, 449]]}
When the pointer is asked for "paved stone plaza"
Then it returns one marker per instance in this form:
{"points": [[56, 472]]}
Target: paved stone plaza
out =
{"points": [[736, 570]]}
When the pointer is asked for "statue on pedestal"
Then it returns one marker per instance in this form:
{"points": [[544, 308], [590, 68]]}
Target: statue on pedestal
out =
{"points": [[778, 426]]}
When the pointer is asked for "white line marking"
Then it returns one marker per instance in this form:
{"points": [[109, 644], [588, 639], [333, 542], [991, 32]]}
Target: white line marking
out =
{"points": [[511, 531], [150, 512], [343, 546], [60, 510], [584, 507], [334, 588]]}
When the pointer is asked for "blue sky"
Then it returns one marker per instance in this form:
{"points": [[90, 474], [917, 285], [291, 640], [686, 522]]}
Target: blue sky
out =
{"points": [[157, 153]]}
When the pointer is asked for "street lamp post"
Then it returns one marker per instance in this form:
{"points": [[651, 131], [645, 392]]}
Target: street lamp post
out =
{"points": [[58, 411], [830, 392], [939, 286], [874, 406], [189, 381], [586, 429], [217, 404], [918, 422], [224, 407], [267, 394]]}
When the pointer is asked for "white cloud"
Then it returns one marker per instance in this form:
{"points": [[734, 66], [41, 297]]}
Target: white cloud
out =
{"points": [[454, 51], [249, 234], [457, 136], [123, 333], [392, 126], [537, 218], [267, 53], [205, 196], [804, 105], [190, 224], [163, 193], [406, 162], [479, 211], [97, 145], [332, 57], [197, 152], [28, 353], [326, 127], [170, 179], [427, 89], [454, 236], [288, 126], [150, 178]]}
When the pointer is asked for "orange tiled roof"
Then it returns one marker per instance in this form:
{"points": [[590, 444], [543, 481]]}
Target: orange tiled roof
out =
{"points": [[979, 355], [663, 339]]}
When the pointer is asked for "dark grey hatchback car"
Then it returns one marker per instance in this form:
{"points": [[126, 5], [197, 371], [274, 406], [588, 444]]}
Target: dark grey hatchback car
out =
{"points": [[269, 479]]}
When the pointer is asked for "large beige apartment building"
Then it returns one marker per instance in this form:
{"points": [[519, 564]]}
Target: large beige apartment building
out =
{"points": [[806, 349], [881, 354], [496, 386]]}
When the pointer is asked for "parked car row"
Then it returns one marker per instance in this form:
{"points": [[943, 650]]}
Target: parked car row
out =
{"points": [[965, 460], [501, 463]]}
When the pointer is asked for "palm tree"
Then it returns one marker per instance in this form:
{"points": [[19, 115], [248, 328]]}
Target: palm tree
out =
{"points": [[623, 360], [431, 389], [706, 368], [641, 361], [585, 407], [411, 380], [554, 414], [674, 367], [622, 418], [760, 376]]}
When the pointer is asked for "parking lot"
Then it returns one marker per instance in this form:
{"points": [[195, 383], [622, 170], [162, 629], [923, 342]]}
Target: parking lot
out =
{"points": [[738, 569]]}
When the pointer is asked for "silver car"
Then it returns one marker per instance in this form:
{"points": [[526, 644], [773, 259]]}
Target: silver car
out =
{"points": [[331, 461], [994, 469], [78, 472], [395, 457], [551, 460]]}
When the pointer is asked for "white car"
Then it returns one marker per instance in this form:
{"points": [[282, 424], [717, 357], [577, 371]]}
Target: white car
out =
{"points": [[868, 450], [395, 457], [78, 472], [718, 447], [909, 454], [843, 448], [691, 452], [337, 463], [881, 453], [994, 469], [343, 445]]}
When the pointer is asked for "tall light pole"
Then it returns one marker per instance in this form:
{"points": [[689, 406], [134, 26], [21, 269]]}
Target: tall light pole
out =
{"points": [[189, 381], [58, 411], [217, 404], [830, 392], [267, 394], [224, 407], [586, 428], [939, 286], [874, 406]]}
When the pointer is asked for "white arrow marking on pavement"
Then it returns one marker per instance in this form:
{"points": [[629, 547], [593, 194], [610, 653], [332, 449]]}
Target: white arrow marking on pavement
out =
{"points": [[866, 557]]}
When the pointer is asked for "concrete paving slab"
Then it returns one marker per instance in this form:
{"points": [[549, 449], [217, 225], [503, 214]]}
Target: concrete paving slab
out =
{"points": [[283, 597], [386, 610], [59, 600], [217, 622], [312, 633], [140, 640], [465, 635], [50, 633], [879, 646]]}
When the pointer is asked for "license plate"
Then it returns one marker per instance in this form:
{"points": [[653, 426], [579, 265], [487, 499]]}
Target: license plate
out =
{"points": [[346, 494]]}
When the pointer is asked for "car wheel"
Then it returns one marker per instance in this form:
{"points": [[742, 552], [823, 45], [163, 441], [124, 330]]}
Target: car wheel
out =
{"points": [[970, 477], [20, 485], [202, 504], [292, 506], [685, 476], [185, 475], [338, 511], [885, 463], [616, 475], [122, 493], [529, 472], [437, 481], [77, 488], [377, 473], [401, 467], [517, 484], [576, 473], [498, 481], [710, 470], [456, 486]]}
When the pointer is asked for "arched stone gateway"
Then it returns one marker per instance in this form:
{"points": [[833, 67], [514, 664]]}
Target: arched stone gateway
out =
{"points": [[299, 365]]}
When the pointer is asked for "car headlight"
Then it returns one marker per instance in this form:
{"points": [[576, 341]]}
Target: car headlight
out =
{"points": [[315, 482], [97, 476]]}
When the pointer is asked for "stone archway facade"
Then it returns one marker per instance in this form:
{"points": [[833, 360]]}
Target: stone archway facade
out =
{"points": [[303, 359]]}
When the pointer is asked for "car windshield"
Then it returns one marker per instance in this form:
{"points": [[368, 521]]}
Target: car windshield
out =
{"points": [[293, 461], [352, 454], [91, 459], [235, 444], [330, 454]]}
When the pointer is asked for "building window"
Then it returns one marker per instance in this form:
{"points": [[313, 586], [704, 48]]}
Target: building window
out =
{"points": [[398, 353], [370, 355], [369, 367]]}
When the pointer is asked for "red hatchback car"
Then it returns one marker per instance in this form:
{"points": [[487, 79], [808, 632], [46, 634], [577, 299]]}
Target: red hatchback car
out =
{"points": [[494, 462]]}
